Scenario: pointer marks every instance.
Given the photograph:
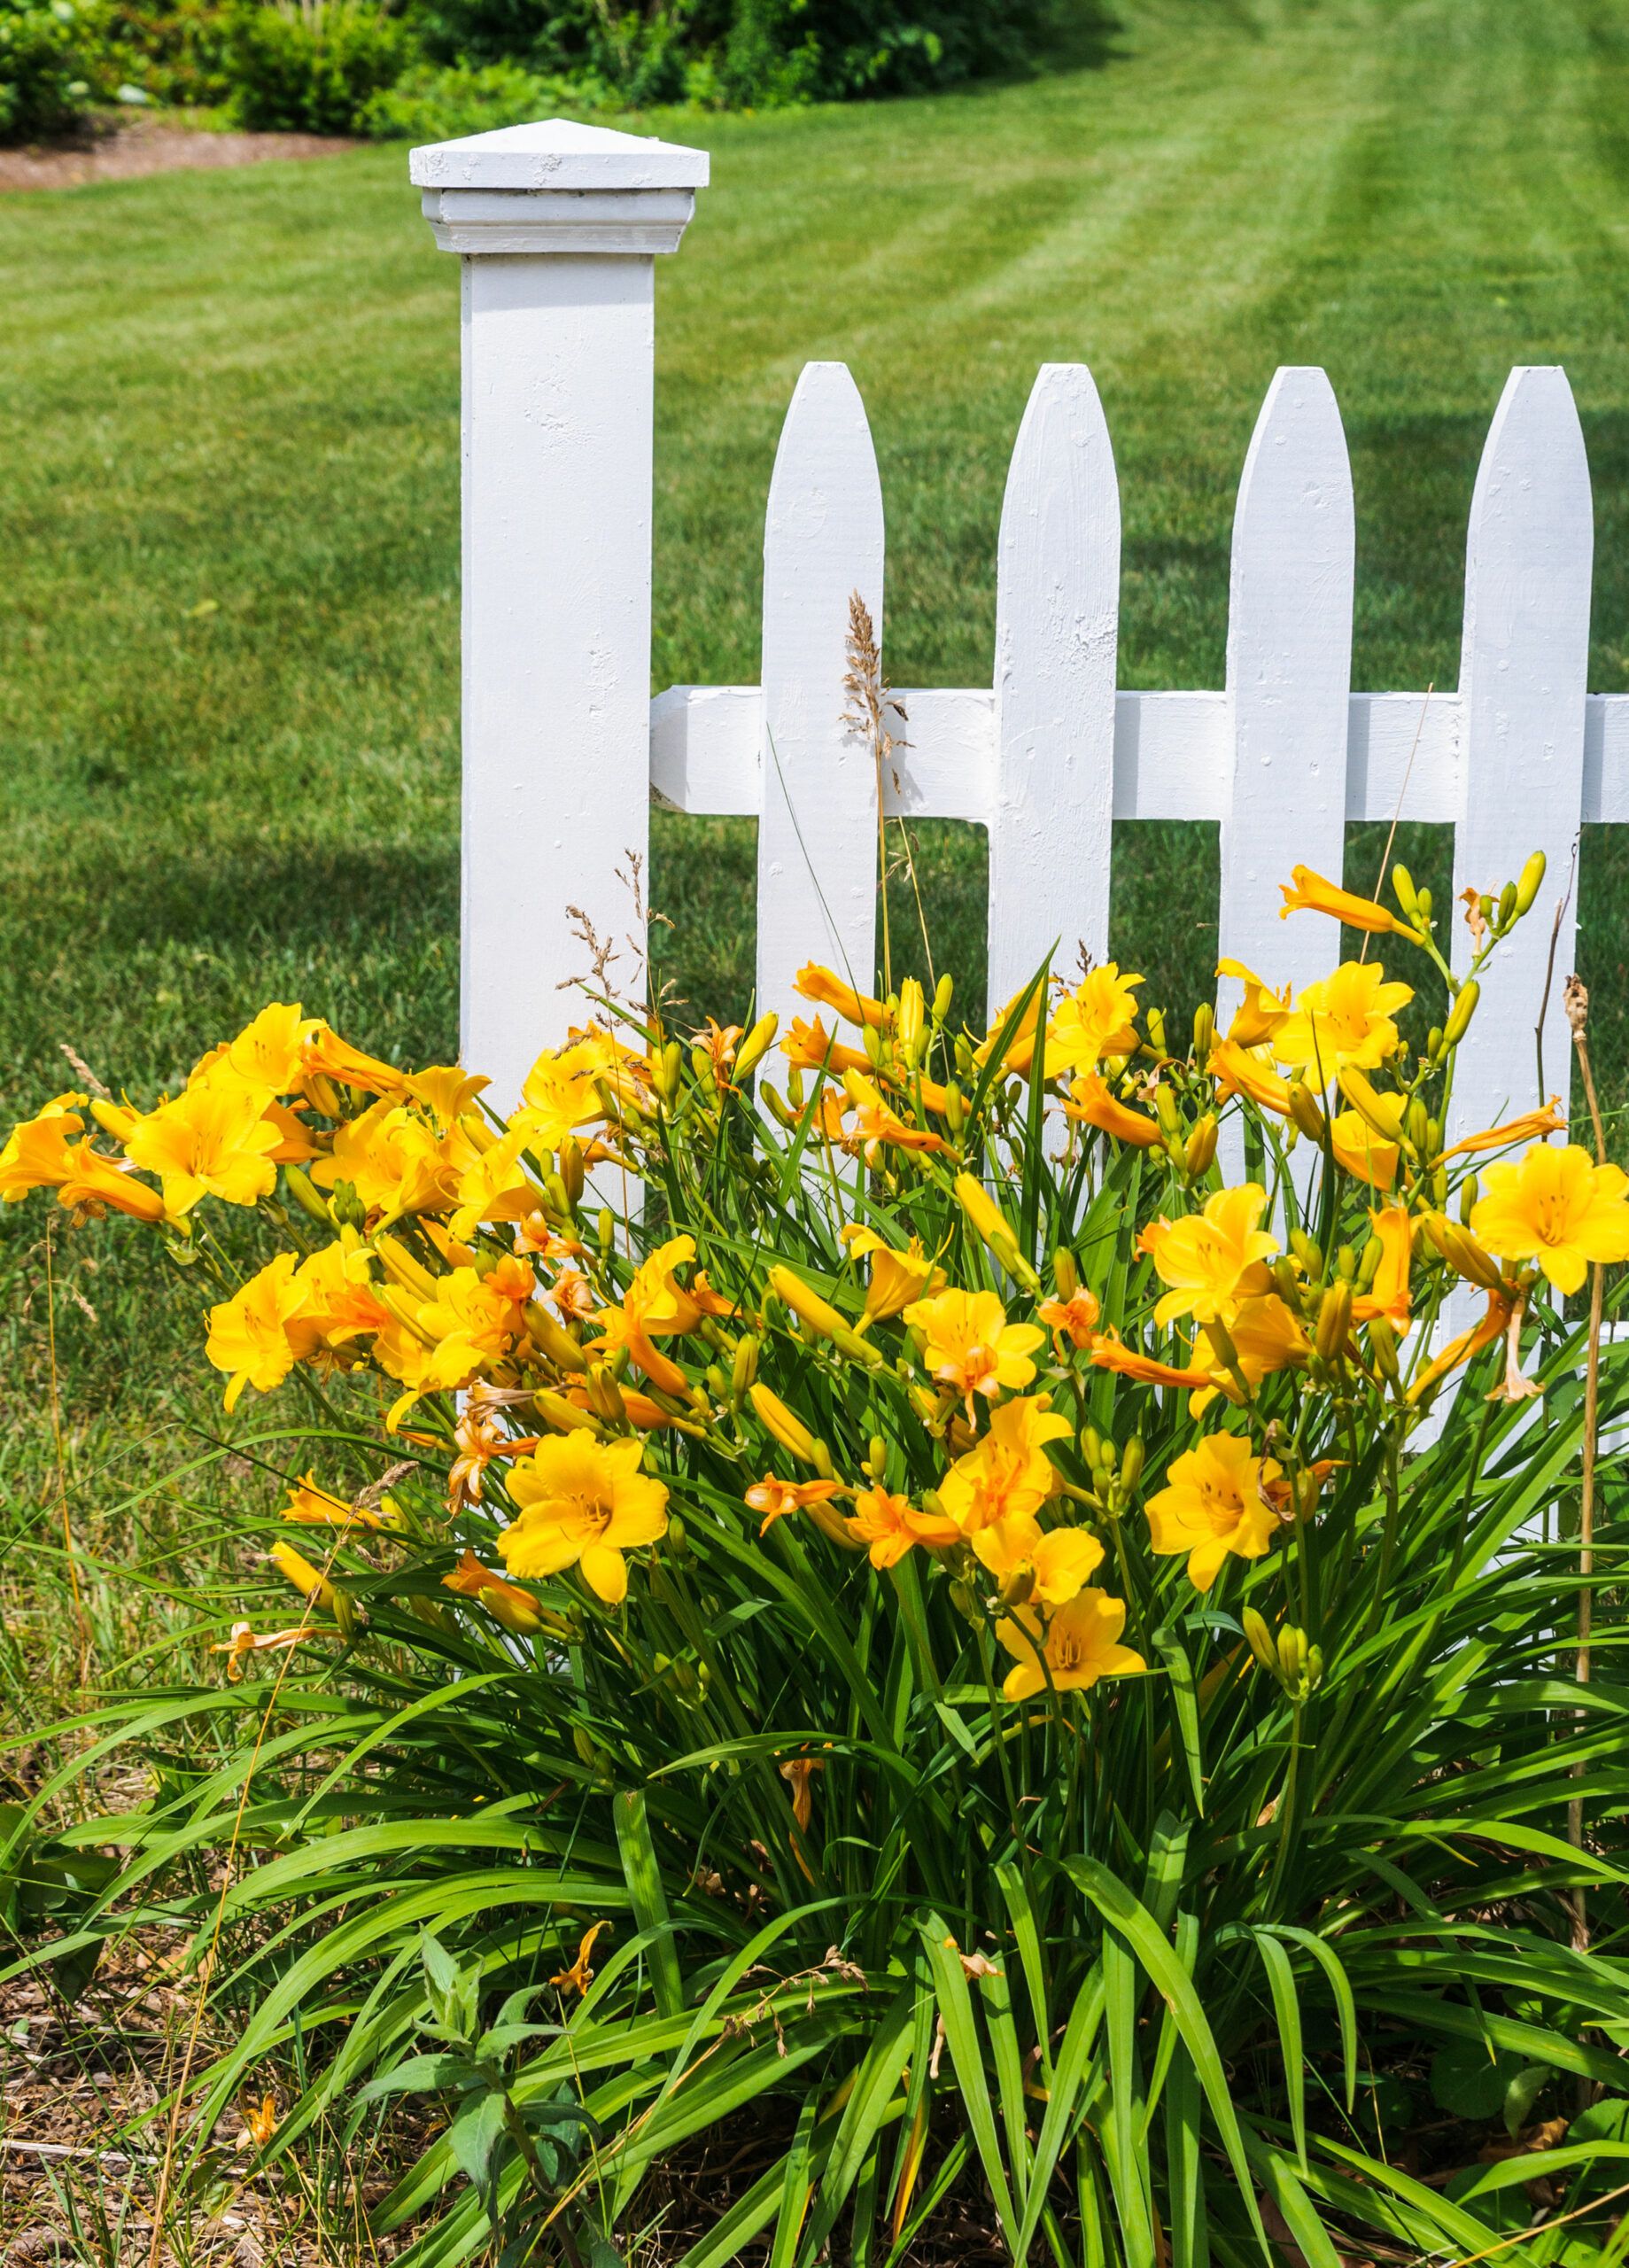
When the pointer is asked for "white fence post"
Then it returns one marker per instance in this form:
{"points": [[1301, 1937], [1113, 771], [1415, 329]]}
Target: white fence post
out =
{"points": [[1523, 676], [558, 227], [1289, 682], [1056, 632], [817, 822]]}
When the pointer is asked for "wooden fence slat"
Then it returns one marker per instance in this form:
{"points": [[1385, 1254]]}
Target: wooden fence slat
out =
{"points": [[817, 824], [1522, 685], [1056, 633], [1289, 681]]}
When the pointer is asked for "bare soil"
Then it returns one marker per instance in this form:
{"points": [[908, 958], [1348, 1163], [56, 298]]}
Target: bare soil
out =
{"points": [[121, 151]]}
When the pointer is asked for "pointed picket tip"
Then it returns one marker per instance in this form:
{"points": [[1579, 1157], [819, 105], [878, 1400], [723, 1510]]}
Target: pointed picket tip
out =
{"points": [[1063, 420], [1298, 474], [1532, 489], [826, 436]]}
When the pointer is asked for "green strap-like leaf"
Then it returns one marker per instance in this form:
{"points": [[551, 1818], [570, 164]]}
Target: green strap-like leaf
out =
{"points": [[644, 1879]]}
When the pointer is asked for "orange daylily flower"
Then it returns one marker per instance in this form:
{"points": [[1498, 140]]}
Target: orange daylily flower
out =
{"points": [[1094, 1105], [1388, 1295], [579, 1976], [776, 1498], [506, 1602], [1239, 1071], [243, 1642], [1262, 1011], [1309, 893], [1493, 1326], [1074, 1318], [798, 1771], [1110, 1353], [1532, 1126], [828, 990], [890, 1525]]}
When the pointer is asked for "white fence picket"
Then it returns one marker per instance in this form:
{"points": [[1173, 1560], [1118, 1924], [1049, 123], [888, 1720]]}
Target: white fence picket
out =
{"points": [[1522, 686], [1289, 681], [1057, 632], [818, 817]]}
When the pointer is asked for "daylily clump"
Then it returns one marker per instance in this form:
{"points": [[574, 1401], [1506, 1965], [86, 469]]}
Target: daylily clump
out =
{"points": [[452, 1253]]}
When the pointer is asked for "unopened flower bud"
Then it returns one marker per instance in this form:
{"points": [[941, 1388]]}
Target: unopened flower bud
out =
{"points": [[1304, 1111], [1383, 1346], [1469, 1190], [1347, 1264], [913, 1015], [1203, 1034], [1065, 1276], [1260, 1640], [1462, 1253], [1460, 1015], [1423, 905], [1155, 1020], [305, 1197], [943, 992], [1131, 1463], [1092, 1446], [955, 1107], [744, 1370], [553, 1339], [787, 1429], [1403, 891], [571, 1170], [1530, 881], [1507, 906], [605, 1396], [1334, 1321], [772, 1101], [756, 1045], [1199, 1153], [1310, 1255], [992, 1227]]}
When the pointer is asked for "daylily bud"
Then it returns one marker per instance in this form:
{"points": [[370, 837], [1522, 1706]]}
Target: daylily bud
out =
{"points": [[556, 1197], [756, 1045], [912, 1014], [1369, 1263], [1469, 1190], [1286, 1284], [1364, 1099], [1018, 1588], [942, 991], [1259, 1641], [1092, 1446], [1291, 1654], [1334, 1321], [1423, 905], [744, 1370], [676, 1539], [877, 1458], [1433, 1045], [1383, 1346], [871, 1040], [1310, 1255], [305, 1197], [605, 1229], [1347, 1264], [819, 1314], [1507, 906], [955, 1106], [1304, 1111], [605, 1396], [564, 1416], [1460, 1015], [1065, 1276], [1462, 1253], [1166, 1112], [992, 1226], [1199, 1155], [789, 1431], [1529, 882], [554, 1338], [571, 1170], [770, 1099], [401, 1268], [1155, 1020], [1131, 1463], [1403, 891], [1203, 1034]]}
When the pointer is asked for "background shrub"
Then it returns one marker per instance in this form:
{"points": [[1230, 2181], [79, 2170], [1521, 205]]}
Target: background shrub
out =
{"points": [[435, 102], [314, 68], [47, 67]]}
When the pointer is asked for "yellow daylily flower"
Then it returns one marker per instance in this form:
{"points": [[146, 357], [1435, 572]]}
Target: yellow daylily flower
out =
{"points": [[271, 1051], [1240, 1070], [1363, 1153], [1388, 1296], [579, 1976], [252, 1335], [583, 1503], [1008, 1474], [1098, 1019], [971, 1347], [1309, 893], [896, 1278], [1261, 1009], [1558, 1207], [1213, 1504], [1071, 1651], [1345, 1018], [1058, 1559], [1211, 1260], [212, 1139], [310, 1581]]}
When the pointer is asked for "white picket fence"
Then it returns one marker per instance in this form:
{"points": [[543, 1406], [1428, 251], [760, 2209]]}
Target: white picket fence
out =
{"points": [[558, 228]]}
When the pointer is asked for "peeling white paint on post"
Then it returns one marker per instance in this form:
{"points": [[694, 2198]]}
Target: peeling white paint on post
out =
{"points": [[558, 227], [1522, 687], [1057, 630], [817, 820]]}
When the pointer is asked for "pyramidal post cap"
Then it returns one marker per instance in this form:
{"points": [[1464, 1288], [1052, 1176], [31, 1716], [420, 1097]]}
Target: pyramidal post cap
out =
{"points": [[556, 154]]}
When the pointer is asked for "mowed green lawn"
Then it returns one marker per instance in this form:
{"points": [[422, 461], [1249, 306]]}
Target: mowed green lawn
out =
{"points": [[228, 653]]}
